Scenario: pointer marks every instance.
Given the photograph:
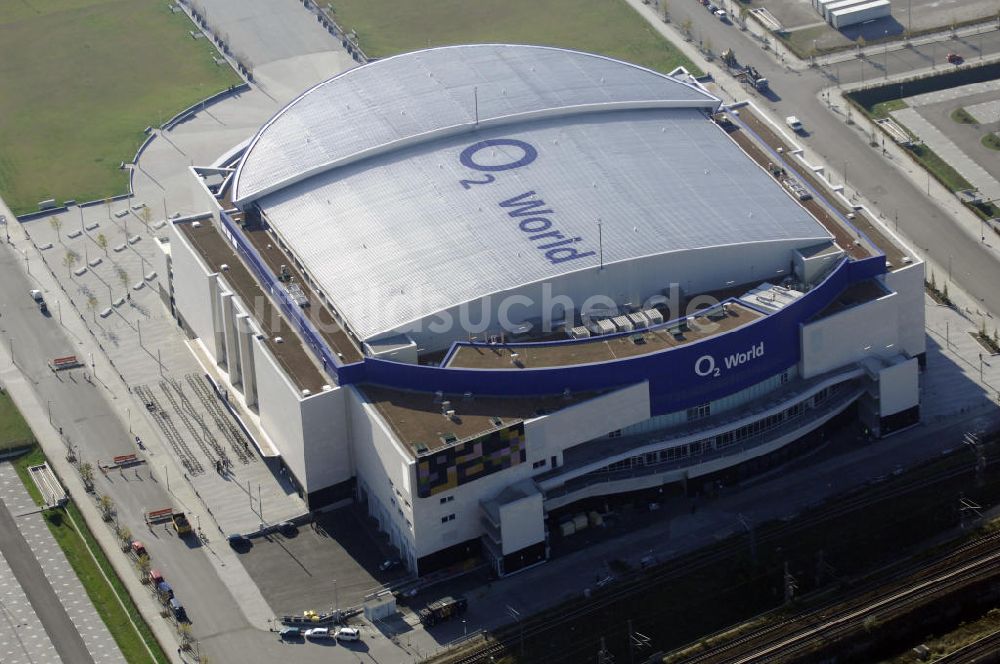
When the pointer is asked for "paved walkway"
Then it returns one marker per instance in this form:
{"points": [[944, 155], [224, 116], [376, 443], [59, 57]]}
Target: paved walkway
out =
{"points": [[114, 293], [958, 92], [949, 152], [23, 639], [100, 646]]}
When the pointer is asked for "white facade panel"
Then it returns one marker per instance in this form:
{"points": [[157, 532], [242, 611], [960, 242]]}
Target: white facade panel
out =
{"points": [[311, 433], [865, 330], [549, 435], [194, 292], [522, 523], [898, 387], [383, 468], [908, 282]]}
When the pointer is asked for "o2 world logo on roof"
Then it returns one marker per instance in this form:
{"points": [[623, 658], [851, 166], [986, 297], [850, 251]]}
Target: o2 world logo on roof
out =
{"points": [[706, 365], [533, 217]]}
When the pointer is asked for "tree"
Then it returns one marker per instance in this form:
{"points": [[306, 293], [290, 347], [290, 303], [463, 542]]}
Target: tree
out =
{"points": [[142, 564], [56, 224], [102, 242], [184, 631], [70, 259], [87, 475], [861, 42], [664, 11], [107, 506], [146, 216], [125, 536], [107, 205], [92, 305], [686, 27], [122, 276], [707, 46]]}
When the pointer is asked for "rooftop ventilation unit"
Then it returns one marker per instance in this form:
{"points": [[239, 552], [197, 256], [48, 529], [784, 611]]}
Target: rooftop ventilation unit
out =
{"points": [[654, 316]]}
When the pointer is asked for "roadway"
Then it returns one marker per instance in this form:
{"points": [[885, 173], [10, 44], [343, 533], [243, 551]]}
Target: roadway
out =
{"points": [[28, 573], [890, 184]]}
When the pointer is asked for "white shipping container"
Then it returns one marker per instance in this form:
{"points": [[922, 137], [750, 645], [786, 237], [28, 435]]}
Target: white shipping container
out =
{"points": [[869, 11], [840, 4], [820, 5]]}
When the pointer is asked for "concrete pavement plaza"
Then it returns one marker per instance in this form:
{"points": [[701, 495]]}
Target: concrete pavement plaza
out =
{"points": [[929, 117], [23, 639], [77, 623]]}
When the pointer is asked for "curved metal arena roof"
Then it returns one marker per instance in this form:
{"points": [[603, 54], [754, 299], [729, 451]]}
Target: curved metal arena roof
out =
{"points": [[430, 179]]}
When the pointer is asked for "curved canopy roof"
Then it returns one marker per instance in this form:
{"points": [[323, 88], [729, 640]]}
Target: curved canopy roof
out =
{"points": [[417, 96], [399, 205]]}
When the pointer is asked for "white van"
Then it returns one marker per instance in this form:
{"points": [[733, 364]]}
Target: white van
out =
{"points": [[349, 634]]}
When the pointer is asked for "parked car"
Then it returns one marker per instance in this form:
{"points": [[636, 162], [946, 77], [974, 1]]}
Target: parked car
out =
{"points": [[955, 58], [391, 563], [238, 541], [348, 634], [155, 577], [290, 633], [723, 16], [166, 592], [178, 610], [139, 549], [36, 295], [793, 123], [318, 633]]}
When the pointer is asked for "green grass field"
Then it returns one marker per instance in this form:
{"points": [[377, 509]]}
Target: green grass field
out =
{"points": [[75, 545], [608, 27], [79, 81], [14, 431]]}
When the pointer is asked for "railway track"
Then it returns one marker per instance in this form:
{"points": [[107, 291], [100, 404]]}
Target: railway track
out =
{"points": [[199, 419], [840, 624], [195, 434], [509, 638], [981, 651], [223, 423], [162, 419]]}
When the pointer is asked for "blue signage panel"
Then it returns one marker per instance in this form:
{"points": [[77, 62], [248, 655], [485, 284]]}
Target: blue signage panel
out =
{"points": [[678, 377]]}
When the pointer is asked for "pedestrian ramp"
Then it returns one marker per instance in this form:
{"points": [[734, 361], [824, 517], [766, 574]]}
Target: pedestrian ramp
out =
{"points": [[53, 493]]}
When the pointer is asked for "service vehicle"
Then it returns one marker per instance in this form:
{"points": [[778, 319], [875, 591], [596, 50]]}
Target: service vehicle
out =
{"points": [[318, 633], [349, 634], [238, 541], [181, 524], [443, 609]]}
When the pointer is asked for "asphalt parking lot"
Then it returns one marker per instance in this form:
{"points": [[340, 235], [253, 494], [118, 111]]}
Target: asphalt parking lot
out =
{"points": [[335, 563]]}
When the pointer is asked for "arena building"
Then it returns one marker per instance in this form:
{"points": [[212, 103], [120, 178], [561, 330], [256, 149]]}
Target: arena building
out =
{"points": [[487, 289]]}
